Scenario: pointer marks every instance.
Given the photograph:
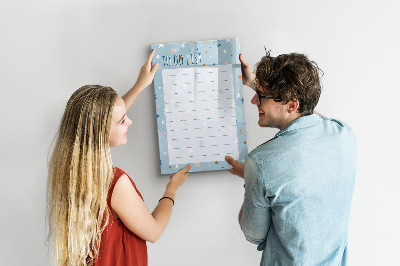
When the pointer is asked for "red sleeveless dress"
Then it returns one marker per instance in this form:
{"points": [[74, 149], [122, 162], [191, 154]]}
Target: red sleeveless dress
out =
{"points": [[119, 246]]}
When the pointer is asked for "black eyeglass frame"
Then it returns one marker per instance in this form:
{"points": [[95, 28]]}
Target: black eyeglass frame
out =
{"points": [[276, 99]]}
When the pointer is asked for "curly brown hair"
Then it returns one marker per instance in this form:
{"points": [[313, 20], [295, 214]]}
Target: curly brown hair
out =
{"points": [[290, 77]]}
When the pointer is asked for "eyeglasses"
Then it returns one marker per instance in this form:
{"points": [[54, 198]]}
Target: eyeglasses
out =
{"points": [[276, 99]]}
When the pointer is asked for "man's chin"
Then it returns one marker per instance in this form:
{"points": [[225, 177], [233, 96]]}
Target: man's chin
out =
{"points": [[261, 122]]}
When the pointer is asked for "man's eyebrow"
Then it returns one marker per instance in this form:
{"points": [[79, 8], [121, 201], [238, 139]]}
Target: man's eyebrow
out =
{"points": [[121, 118]]}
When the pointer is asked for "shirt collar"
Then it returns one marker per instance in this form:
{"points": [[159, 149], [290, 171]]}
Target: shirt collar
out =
{"points": [[301, 122]]}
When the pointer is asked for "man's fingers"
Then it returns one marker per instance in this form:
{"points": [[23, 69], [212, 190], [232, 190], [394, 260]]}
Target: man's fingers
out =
{"points": [[242, 60], [231, 161]]}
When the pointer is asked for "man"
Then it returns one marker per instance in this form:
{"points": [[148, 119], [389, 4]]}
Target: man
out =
{"points": [[299, 184]]}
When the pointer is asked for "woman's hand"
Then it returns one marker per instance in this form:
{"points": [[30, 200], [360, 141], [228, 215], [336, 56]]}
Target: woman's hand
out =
{"points": [[146, 74], [238, 168], [176, 180], [248, 76]]}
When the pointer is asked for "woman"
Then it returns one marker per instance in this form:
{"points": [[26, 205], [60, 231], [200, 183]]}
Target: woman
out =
{"points": [[96, 214]]}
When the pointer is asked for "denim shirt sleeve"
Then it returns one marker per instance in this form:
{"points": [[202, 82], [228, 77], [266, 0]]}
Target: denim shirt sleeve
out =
{"points": [[256, 217]]}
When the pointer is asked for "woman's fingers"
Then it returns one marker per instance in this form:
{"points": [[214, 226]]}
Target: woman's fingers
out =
{"points": [[154, 69], [151, 57], [187, 167]]}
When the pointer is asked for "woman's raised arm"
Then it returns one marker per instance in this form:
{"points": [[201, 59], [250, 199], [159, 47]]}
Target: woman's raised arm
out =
{"points": [[145, 78]]}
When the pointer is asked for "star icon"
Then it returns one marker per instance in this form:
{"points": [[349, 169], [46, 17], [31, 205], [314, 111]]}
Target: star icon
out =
{"points": [[228, 40], [196, 164], [157, 56], [224, 51], [173, 50], [238, 95], [163, 122], [183, 45], [160, 45], [176, 166]]}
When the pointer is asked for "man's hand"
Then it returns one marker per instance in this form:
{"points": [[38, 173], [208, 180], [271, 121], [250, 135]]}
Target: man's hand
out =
{"points": [[238, 168], [248, 76]]}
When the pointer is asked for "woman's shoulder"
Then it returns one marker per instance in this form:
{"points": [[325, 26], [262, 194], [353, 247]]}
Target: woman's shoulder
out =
{"points": [[121, 177], [118, 172]]}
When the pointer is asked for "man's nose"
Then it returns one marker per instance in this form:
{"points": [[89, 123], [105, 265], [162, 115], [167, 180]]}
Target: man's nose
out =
{"points": [[254, 100]]}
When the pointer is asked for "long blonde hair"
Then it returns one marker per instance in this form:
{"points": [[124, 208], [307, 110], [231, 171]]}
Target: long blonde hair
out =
{"points": [[80, 174]]}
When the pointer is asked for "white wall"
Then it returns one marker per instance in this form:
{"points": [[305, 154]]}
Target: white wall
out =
{"points": [[48, 49]]}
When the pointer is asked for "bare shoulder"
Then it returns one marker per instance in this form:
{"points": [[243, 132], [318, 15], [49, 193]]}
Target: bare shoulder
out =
{"points": [[123, 181], [124, 191]]}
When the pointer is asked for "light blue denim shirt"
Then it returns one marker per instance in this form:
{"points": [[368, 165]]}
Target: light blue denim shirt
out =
{"points": [[298, 190]]}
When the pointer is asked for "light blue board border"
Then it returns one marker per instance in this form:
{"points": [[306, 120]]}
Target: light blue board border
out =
{"points": [[168, 57]]}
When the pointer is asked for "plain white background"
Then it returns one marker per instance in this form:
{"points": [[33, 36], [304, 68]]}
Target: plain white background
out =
{"points": [[48, 49]]}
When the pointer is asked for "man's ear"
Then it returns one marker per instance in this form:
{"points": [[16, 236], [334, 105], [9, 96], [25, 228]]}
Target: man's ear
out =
{"points": [[293, 105]]}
